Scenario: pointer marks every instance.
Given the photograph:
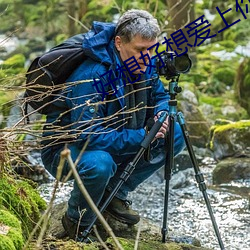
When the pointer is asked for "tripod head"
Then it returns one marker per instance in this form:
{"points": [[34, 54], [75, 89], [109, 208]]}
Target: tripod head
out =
{"points": [[174, 89]]}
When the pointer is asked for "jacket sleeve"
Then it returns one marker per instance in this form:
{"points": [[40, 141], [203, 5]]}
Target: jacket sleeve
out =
{"points": [[88, 119]]}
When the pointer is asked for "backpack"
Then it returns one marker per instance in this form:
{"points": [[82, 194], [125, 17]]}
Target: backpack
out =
{"points": [[47, 74]]}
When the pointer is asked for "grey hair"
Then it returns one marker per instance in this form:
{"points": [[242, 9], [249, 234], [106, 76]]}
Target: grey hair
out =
{"points": [[137, 22]]}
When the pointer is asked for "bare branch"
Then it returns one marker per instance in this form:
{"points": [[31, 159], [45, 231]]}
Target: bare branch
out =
{"points": [[79, 22], [66, 154]]}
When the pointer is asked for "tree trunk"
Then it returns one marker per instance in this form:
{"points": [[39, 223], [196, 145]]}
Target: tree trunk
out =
{"points": [[72, 13], [83, 7], [181, 13]]}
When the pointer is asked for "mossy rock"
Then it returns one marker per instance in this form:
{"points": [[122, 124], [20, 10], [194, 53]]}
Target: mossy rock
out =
{"points": [[150, 235], [10, 231], [232, 139], [219, 107], [231, 169], [22, 200], [225, 75], [128, 244]]}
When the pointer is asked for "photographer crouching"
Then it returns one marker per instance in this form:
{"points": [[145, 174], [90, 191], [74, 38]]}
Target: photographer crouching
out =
{"points": [[109, 115]]}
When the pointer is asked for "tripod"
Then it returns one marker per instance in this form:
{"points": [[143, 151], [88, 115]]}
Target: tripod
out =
{"points": [[173, 90], [169, 163]]}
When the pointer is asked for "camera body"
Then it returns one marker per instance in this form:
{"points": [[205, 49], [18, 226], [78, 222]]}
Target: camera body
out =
{"points": [[171, 66]]}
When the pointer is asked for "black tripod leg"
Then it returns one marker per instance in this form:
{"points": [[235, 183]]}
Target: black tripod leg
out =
{"points": [[199, 176], [168, 173]]}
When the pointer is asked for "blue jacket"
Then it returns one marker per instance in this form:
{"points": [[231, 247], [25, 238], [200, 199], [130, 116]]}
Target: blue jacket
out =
{"points": [[88, 117]]}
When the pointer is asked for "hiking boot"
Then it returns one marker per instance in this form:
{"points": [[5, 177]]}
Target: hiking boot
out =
{"points": [[121, 211], [75, 231]]}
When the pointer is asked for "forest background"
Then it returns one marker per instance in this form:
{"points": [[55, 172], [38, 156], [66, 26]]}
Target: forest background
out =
{"points": [[216, 74]]}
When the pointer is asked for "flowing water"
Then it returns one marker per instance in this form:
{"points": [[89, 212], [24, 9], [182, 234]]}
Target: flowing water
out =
{"points": [[187, 212]]}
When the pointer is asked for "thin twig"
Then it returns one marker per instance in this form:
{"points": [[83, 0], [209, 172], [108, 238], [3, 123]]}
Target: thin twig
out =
{"points": [[66, 154], [137, 236], [77, 21], [99, 238]]}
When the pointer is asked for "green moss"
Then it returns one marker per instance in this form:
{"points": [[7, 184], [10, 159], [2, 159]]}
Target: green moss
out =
{"points": [[236, 125], [6, 243], [128, 244], [13, 239], [229, 45], [9, 219], [212, 100], [16, 237], [219, 102], [225, 75], [22, 200], [239, 128], [246, 82]]}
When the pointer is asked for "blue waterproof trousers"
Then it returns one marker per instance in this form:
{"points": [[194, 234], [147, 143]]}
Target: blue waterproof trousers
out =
{"points": [[100, 170]]}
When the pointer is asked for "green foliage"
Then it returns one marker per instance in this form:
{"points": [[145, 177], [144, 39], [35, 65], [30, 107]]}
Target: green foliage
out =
{"points": [[60, 38], [12, 67], [16, 61]]}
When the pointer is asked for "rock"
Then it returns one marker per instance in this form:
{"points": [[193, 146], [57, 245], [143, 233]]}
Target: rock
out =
{"points": [[229, 140], [149, 238], [181, 179], [197, 125], [188, 95], [231, 169], [227, 110], [206, 109]]}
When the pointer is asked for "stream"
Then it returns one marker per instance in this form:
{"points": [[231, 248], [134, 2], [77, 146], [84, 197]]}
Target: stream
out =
{"points": [[187, 212]]}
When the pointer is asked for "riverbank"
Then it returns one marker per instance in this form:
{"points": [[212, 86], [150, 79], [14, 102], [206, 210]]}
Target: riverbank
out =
{"points": [[188, 215]]}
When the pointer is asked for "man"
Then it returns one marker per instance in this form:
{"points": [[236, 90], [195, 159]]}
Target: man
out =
{"points": [[111, 122]]}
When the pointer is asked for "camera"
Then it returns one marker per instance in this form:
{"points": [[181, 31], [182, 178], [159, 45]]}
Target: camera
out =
{"points": [[171, 66]]}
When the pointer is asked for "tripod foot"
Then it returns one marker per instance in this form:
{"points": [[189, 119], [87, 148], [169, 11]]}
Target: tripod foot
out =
{"points": [[164, 232]]}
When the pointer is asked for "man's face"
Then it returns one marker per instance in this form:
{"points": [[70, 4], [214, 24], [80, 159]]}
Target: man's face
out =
{"points": [[133, 48]]}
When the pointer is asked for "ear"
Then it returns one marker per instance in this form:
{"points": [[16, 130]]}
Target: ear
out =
{"points": [[118, 43]]}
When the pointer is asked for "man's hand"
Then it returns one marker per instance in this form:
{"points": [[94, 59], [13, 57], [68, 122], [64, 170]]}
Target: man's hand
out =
{"points": [[164, 128]]}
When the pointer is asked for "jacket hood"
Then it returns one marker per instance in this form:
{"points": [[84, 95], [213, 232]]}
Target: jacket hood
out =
{"points": [[98, 43]]}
